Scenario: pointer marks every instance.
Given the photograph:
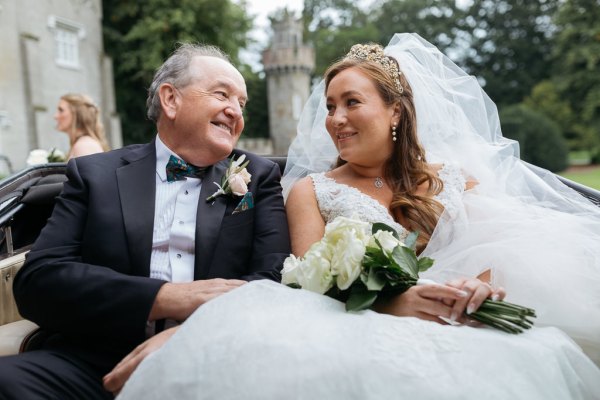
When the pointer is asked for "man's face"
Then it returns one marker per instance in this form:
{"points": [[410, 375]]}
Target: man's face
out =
{"points": [[208, 120]]}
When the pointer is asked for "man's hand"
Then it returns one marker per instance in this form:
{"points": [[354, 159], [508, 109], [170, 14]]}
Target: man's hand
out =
{"points": [[179, 300], [115, 379]]}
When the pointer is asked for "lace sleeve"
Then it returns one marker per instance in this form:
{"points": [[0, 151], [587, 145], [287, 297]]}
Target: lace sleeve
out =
{"points": [[454, 186]]}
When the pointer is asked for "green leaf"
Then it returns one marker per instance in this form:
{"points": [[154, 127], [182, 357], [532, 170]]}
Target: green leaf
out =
{"points": [[380, 226], [360, 300], [374, 280], [424, 263], [411, 240], [406, 259]]}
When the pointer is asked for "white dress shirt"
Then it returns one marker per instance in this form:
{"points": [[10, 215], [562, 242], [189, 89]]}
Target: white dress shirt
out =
{"points": [[176, 206]]}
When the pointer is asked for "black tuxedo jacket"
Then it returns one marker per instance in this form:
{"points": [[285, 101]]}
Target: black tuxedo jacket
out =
{"points": [[87, 275]]}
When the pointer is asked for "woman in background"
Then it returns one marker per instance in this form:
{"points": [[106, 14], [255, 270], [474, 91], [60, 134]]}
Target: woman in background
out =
{"points": [[79, 117]]}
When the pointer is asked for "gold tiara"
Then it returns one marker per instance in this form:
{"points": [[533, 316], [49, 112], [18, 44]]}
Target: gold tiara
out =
{"points": [[374, 53]]}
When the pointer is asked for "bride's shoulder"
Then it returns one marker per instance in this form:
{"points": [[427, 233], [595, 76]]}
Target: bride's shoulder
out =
{"points": [[302, 189]]}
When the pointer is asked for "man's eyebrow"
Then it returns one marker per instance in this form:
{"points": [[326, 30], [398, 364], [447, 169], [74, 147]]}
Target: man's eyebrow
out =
{"points": [[227, 85]]}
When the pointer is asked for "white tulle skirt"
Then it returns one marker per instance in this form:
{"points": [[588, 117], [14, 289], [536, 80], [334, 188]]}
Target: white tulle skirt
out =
{"points": [[545, 259], [266, 341]]}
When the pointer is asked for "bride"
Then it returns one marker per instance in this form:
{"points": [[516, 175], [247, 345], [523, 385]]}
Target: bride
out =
{"points": [[419, 148]]}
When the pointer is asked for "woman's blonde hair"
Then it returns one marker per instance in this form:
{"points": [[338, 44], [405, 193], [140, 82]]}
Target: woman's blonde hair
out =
{"points": [[86, 119], [407, 168]]}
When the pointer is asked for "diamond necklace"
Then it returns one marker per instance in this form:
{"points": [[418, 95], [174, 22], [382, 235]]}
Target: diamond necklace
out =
{"points": [[378, 182]]}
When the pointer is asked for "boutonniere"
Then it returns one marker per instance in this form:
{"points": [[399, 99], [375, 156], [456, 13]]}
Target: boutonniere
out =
{"points": [[235, 181]]}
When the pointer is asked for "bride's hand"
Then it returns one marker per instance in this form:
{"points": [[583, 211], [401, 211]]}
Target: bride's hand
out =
{"points": [[477, 291], [429, 302]]}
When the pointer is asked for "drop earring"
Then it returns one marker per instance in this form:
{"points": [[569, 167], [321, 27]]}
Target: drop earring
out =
{"points": [[394, 132]]}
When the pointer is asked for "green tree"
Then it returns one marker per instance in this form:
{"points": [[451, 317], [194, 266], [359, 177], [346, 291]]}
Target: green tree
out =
{"points": [[434, 20], [546, 99], [577, 73], [540, 140], [333, 26], [139, 36], [510, 45], [256, 114]]}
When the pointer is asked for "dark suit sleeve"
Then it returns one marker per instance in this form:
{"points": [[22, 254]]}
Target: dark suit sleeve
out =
{"points": [[271, 242], [61, 292]]}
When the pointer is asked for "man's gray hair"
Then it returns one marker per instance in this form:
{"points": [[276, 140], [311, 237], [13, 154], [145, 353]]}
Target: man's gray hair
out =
{"points": [[176, 71]]}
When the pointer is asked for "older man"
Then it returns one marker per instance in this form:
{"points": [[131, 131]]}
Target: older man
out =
{"points": [[133, 244]]}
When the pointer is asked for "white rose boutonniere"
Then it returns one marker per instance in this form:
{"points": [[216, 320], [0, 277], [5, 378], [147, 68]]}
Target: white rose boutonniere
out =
{"points": [[235, 181]]}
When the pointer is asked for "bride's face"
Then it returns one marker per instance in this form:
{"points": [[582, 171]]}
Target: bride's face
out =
{"points": [[359, 122]]}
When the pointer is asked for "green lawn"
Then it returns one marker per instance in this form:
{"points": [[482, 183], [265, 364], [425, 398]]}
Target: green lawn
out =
{"points": [[588, 177]]}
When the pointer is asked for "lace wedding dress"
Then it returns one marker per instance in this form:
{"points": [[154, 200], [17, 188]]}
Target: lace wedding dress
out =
{"points": [[266, 341]]}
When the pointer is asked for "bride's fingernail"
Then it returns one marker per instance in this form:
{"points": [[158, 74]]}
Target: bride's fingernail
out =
{"points": [[453, 316], [495, 296], [470, 308], [462, 293]]}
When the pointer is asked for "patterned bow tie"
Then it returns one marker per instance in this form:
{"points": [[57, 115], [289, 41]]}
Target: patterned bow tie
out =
{"points": [[178, 169]]}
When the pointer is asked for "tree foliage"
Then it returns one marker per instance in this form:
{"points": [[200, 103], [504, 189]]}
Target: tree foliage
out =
{"points": [[139, 36], [332, 27], [434, 20], [539, 137], [577, 67], [256, 113], [510, 45], [546, 99]]}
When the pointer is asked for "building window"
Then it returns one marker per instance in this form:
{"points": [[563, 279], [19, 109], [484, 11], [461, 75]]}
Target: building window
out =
{"points": [[67, 35]]}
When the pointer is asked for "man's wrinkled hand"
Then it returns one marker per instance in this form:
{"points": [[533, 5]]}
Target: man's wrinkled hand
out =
{"points": [[178, 301], [115, 379]]}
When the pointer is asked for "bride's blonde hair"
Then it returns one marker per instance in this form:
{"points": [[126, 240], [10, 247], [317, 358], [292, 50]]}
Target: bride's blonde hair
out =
{"points": [[407, 168]]}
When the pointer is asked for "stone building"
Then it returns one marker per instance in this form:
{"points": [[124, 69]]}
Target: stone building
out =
{"points": [[49, 48], [288, 63]]}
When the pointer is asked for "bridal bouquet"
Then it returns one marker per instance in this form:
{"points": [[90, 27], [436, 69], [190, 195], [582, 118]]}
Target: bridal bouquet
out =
{"points": [[41, 156], [357, 261]]}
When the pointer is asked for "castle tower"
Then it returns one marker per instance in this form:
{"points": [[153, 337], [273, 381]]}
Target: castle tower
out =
{"points": [[288, 63]]}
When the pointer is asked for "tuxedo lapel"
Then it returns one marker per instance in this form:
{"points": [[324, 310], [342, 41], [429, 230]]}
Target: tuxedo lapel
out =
{"points": [[137, 191], [208, 219]]}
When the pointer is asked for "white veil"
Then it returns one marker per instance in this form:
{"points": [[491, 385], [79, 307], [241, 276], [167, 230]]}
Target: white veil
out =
{"points": [[541, 238]]}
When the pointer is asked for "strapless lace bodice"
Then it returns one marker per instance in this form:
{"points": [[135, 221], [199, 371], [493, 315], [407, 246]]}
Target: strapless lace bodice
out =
{"points": [[336, 199]]}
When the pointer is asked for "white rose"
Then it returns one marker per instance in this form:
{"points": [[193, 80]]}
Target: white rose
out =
{"points": [[237, 184], [290, 271], [315, 269], [337, 228], [37, 156], [386, 239], [346, 262], [245, 175]]}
